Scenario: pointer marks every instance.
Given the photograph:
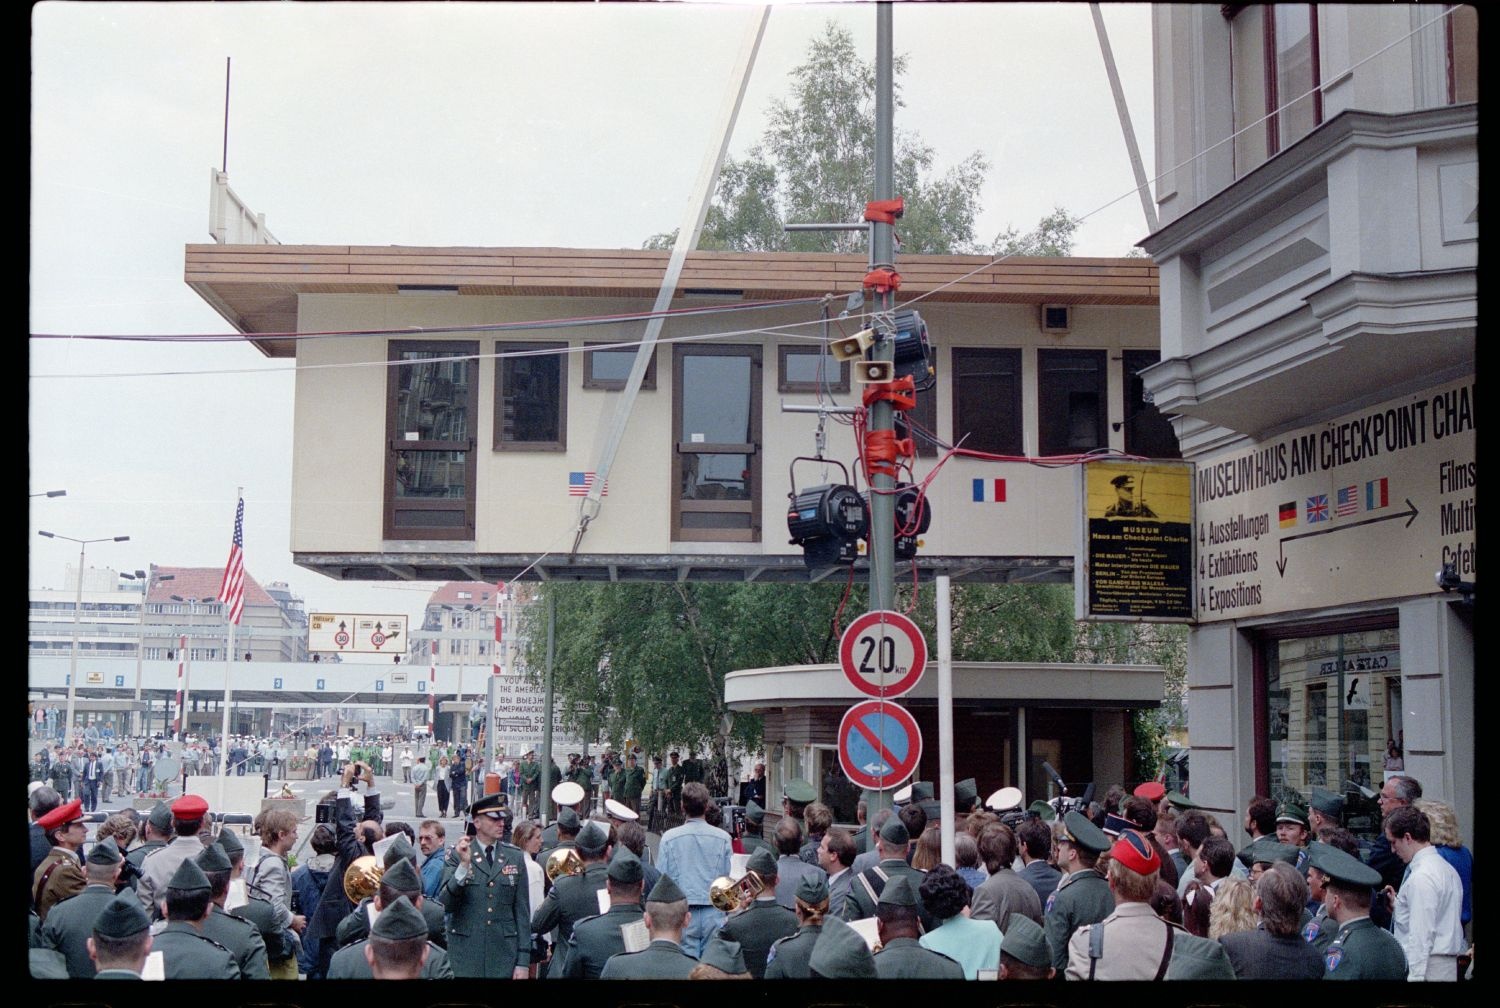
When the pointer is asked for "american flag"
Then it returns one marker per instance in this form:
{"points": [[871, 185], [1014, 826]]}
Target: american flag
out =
{"points": [[1348, 501], [232, 589], [579, 484]]}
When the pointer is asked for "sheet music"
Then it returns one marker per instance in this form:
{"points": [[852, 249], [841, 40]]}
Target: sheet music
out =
{"points": [[866, 928], [603, 895], [237, 897], [635, 935], [739, 864], [381, 846], [155, 967]]}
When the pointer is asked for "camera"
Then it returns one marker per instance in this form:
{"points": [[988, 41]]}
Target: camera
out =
{"points": [[323, 812]]}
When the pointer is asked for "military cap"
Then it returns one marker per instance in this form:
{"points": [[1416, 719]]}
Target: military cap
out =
{"points": [[402, 876], [965, 792], [400, 849], [1026, 942], [762, 862], [1341, 866], [625, 867], [62, 815], [160, 817], [121, 917], [189, 878], [754, 814], [665, 891], [399, 921], [619, 811], [921, 790], [840, 953], [1136, 853], [487, 803], [725, 955], [1114, 825], [231, 842], [799, 790], [1293, 813], [1178, 800], [894, 832], [593, 838], [188, 807], [213, 859], [1328, 803], [901, 796], [31, 788], [1266, 850], [1042, 810], [568, 819], [104, 852], [567, 793], [1078, 830], [813, 889], [1004, 799], [1152, 791], [1122, 480], [898, 892]]}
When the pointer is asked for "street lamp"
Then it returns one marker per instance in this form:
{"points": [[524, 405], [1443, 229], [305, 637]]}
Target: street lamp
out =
{"points": [[149, 579], [77, 609], [187, 657], [53, 493]]}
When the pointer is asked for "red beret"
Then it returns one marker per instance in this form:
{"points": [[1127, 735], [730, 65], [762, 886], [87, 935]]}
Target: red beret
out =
{"points": [[1136, 853], [61, 815], [189, 806], [1152, 791]]}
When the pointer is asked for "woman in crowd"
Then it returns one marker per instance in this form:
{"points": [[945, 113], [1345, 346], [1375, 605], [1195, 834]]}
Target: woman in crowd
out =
{"points": [[441, 773], [929, 852], [1444, 825], [527, 835], [966, 853], [1233, 908]]}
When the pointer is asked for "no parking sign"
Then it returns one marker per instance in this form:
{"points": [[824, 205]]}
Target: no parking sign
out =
{"points": [[880, 744]]}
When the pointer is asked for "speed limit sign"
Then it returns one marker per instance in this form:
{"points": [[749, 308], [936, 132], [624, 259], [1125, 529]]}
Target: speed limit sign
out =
{"points": [[883, 653]]}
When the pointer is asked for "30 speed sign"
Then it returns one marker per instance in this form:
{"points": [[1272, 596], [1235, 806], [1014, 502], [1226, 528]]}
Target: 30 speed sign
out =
{"points": [[883, 654]]}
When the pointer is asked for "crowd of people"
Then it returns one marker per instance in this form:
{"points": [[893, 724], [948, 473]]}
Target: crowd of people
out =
{"points": [[1148, 886]]}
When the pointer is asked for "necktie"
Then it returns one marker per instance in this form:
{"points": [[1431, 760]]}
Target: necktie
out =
{"points": [[489, 855]]}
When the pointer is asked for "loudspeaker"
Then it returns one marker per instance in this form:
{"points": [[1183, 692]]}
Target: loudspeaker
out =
{"points": [[854, 346], [868, 372]]}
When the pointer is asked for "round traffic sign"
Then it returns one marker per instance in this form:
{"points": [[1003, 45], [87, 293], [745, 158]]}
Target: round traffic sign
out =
{"points": [[879, 744], [341, 638], [377, 638], [883, 653]]}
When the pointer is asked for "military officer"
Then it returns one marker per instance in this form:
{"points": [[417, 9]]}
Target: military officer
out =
{"points": [[1324, 809], [574, 897], [566, 796], [156, 830], [1083, 896], [59, 876], [901, 955], [1126, 506], [1360, 950], [236, 934], [965, 796], [597, 938], [632, 783], [486, 893], [1023, 952], [398, 948], [754, 838], [619, 813], [71, 923], [666, 915], [399, 884], [581, 774], [891, 843], [674, 781], [531, 781], [188, 813], [722, 960], [187, 953], [120, 940], [758, 926], [840, 954], [1319, 932], [788, 957], [1292, 829], [795, 797]]}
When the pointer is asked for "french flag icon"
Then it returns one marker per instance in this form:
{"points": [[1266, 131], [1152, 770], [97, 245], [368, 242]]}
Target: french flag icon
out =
{"points": [[989, 491]]}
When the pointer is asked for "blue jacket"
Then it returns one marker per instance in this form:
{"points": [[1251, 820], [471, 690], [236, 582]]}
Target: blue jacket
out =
{"points": [[432, 872], [308, 886]]}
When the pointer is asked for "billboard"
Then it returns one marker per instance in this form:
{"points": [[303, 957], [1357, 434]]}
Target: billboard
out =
{"points": [[352, 633], [1136, 558]]}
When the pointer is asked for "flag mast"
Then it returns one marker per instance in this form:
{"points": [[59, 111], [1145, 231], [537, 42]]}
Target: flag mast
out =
{"points": [[232, 595]]}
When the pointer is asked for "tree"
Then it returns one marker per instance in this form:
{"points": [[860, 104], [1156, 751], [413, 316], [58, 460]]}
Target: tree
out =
{"points": [[1053, 236]]}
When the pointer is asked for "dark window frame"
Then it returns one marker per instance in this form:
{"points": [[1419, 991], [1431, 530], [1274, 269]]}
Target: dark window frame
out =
{"points": [[965, 356], [558, 444], [785, 384], [751, 504], [1137, 410], [648, 383], [1046, 400], [1272, 75], [396, 444]]}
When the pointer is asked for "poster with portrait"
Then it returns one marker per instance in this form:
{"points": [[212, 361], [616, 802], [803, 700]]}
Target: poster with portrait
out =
{"points": [[1135, 558]]}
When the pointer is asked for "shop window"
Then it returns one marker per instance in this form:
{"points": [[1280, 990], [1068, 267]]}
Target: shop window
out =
{"points": [[1071, 386], [810, 368], [987, 399], [610, 368], [531, 397]]}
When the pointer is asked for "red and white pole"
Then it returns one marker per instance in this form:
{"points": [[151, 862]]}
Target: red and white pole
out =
{"points": [[432, 694], [181, 660]]}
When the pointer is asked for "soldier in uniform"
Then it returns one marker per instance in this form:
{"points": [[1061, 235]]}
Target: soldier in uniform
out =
{"points": [[236, 934], [120, 939], [1359, 950], [1083, 896], [1126, 506], [840, 954], [1293, 830], [674, 782], [59, 876], [632, 783], [597, 938], [1023, 952], [722, 960], [795, 797], [258, 912], [486, 892], [566, 797], [71, 922], [531, 785], [155, 832], [1319, 932], [891, 843], [901, 955], [754, 837], [758, 926], [187, 953], [666, 916], [789, 957], [1325, 809], [574, 897], [398, 948], [580, 773], [188, 814], [399, 884]]}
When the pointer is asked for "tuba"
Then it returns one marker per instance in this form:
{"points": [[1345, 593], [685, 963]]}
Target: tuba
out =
{"points": [[362, 878], [564, 861], [730, 895]]}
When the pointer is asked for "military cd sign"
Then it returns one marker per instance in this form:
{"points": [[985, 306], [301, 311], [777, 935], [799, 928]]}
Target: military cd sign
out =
{"points": [[883, 654], [880, 744]]}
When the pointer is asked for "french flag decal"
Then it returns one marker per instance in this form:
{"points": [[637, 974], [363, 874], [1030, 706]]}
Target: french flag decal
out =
{"points": [[989, 491]]}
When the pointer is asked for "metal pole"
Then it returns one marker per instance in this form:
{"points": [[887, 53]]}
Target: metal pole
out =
{"points": [[224, 719], [545, 799], [73, 654], [1142, 186], [187, 669], [945, 714]]}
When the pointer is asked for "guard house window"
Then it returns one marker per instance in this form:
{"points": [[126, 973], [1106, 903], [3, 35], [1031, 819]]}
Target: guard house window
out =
{"points": [[430, 466], [716, 399], [987, 399], [810, 368], [610, 368], [531, 397], [1071, 387], [1275, 79], [1147, 432]]}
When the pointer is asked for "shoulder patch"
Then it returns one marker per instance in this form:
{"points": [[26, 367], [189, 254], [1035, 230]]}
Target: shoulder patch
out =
{"points": [[1310, 933], [1333, 957]]}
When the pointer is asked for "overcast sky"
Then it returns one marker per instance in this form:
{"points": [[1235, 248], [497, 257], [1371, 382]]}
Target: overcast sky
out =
{"points": [[576, 125]]}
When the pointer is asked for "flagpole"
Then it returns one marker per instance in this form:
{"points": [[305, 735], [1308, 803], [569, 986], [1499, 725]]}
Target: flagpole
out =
{"points": [[230, 605]]}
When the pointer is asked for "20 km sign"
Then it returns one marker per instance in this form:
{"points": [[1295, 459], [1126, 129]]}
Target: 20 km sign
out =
{"points": [[880, 744], [883, 654]]}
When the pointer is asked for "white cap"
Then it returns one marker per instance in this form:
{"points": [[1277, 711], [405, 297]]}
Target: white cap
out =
{"points": [[568, 793], [619, 811], [902, 796], [1004, 799], [31, 789]]}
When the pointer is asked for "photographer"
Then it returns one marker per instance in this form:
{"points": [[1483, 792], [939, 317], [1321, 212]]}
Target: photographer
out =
{"points": [[353, 839]]}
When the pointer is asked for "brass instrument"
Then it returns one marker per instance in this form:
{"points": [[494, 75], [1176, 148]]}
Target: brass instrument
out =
{"points": [[563, 861], [362, 878], [730, 895]]}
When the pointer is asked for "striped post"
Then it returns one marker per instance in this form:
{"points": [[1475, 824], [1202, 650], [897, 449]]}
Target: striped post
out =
{"points": [[432, 693], [181, 659]]}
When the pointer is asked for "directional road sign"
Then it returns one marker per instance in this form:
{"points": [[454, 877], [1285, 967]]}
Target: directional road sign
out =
{"points": [[883, 653], [879, 744]]}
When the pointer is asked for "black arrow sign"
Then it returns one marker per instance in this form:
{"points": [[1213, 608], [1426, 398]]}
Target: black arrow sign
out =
{"points": [[1410, 514]]}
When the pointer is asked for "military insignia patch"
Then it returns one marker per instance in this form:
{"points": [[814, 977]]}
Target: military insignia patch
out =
{"points": [[1333, 958], [510, 869], [1310, 933]]}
